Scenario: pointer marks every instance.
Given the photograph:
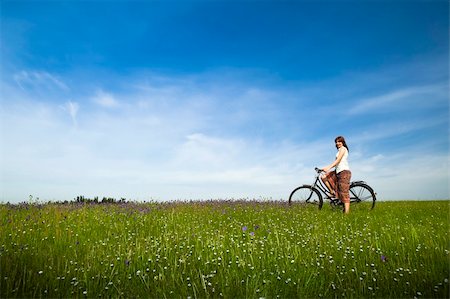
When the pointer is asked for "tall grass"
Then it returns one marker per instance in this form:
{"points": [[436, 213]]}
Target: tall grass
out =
{"points": [[231, 249]]}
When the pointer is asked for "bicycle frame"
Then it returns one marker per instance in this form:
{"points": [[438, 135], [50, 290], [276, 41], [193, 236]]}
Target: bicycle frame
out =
{"points": [[320, 185]]}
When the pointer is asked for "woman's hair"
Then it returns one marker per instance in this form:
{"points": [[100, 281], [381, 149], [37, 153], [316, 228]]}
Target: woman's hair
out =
{"points": [[341, 139]]}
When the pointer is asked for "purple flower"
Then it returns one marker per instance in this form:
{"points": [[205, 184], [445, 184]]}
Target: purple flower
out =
{"points": [[252, 234], [383, 259], [127, 263], [244, 228]]}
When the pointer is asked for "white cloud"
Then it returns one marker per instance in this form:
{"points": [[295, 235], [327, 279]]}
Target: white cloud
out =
{"points": [[119, 156], [105, 99], [199, 149], [184, 139], [405, 176]]}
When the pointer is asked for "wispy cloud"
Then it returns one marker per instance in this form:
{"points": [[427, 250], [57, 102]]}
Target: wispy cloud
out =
{"points": [[400, 99], [38, 79], [72, 108], [397, 127]]}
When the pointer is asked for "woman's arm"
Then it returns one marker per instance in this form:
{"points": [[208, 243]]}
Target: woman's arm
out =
{"points": [[337, 161]]}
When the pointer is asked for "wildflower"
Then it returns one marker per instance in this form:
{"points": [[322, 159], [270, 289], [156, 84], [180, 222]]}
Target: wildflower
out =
{"points": [[244, 228], [383, 258], [252, 234]]}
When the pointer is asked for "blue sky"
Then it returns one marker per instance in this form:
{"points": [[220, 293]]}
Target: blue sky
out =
{"points": [[171, 100]]}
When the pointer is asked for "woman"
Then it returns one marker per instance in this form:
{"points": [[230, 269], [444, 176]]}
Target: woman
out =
{"points": [[338, 181]]}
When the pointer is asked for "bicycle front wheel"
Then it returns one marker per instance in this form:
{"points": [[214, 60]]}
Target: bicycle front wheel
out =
{"points": [[363, 195], [306, 195]]}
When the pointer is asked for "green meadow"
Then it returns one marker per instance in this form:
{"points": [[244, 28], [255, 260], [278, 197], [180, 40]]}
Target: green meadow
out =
{"points": [[229, 249]]}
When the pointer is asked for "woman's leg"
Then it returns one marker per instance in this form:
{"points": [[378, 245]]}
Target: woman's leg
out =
{"points": [[330, 181], [327, 183], [346, 207]]}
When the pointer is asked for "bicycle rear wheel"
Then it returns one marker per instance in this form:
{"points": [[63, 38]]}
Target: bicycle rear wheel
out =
{"points": [[306, 195], [363, 195]]}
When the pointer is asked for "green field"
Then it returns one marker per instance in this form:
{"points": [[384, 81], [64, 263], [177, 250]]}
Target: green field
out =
{"points": [[230, 249]]}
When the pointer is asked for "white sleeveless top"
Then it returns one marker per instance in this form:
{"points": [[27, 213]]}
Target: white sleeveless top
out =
{"points": [[343, 165]]}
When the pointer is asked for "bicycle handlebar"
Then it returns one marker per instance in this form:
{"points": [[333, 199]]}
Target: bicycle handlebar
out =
{"points": [[318, 170]]}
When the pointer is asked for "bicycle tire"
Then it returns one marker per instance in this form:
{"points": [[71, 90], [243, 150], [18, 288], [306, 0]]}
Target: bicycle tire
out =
{"points": [[306, 195], [361, 193]]}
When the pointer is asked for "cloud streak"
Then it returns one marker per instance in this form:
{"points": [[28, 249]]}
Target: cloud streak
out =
{"points": [[400, 99], [72, 108], [38, 80]]}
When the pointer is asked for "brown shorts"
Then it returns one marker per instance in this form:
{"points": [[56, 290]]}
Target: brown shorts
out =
{"points": [[340, 183], [343, 185]]}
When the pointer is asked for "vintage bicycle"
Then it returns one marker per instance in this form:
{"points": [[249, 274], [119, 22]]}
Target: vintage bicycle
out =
{"points": [[360, 193]]}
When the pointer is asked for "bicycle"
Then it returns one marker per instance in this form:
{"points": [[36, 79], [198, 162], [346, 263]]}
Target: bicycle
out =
{"points": [[360, 192]]}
